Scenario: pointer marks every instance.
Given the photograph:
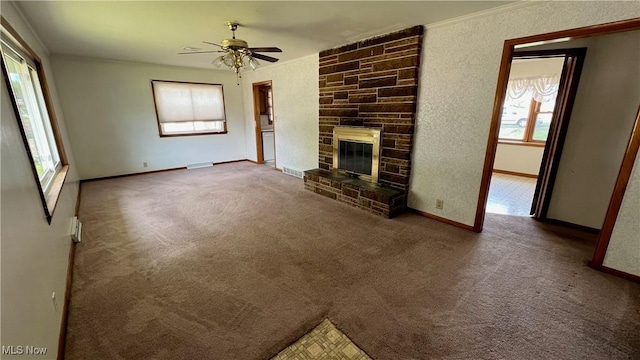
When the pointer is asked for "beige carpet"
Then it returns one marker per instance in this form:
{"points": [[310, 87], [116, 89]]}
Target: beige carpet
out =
{"points": [[238, 261], [323, 343]]}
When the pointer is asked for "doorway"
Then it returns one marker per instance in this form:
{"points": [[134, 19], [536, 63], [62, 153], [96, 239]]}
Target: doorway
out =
{"points": [[536, 107], [264, 123], [630, 141]]}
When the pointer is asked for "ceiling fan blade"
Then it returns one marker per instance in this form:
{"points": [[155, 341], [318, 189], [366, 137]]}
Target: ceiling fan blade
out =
{"points": [[264, 57], [210, 43], [265, 49], [200, 52]]}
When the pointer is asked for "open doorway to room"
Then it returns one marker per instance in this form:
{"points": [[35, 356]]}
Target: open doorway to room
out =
{"points": [[527, 116], [264, 123], [586, 165]]}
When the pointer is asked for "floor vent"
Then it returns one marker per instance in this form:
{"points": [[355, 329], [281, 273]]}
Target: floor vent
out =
{"points": [[199, 165], [292, 172]]}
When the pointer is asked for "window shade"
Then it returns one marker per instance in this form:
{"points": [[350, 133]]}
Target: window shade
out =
{"points": [[176, 102]]}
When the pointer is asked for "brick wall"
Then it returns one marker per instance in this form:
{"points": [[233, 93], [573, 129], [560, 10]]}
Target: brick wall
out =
{"points": [[373, 83]]}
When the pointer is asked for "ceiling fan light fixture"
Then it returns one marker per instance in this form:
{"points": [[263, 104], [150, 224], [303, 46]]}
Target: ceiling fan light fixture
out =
{"points": [[230, 60], [253, 63], [238, 55], [219, 61]]}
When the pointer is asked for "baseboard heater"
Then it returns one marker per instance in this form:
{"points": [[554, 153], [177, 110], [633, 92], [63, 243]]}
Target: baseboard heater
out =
{"points": [[76, 230], [200, 165]]}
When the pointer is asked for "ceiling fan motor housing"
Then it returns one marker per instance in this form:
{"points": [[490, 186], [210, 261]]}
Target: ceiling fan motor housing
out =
{"points": [[234, 44]]}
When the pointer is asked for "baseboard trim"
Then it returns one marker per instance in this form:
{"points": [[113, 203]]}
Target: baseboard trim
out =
{"points": [[159, 171], [514, 173], [255, 162], [441, 219], [620, 274], [62, 340], [571, 225], [132, 174]]}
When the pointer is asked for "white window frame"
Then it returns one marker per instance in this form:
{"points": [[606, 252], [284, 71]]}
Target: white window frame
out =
{"points": [[187, 126], [36, 119]]}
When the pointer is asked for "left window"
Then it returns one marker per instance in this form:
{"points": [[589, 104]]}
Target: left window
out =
{"points": [[21, 69], [189, 108]]}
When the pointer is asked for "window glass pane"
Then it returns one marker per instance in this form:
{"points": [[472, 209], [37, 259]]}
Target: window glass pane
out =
{"points": [[514, 117], [541, 130], [172, 127], [208, 125], [31, 119], [548, 106], [46, 122], [185, 127]]}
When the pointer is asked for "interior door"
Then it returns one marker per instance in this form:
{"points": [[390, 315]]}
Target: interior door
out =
{"points": [[574, 59]]}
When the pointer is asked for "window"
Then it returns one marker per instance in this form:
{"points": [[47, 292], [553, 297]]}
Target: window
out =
{"points": [[528, 123], [22, 71], [189, 108], [530, 100]]}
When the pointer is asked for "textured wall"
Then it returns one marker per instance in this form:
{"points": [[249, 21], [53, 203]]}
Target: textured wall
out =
{"points": [[373, 83], [35, 255], [457, 87], [295, 108], [112, 121], [624, 248]]}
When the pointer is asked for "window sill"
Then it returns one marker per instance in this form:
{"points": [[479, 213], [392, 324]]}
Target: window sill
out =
{"points": [[195, 134], [52, 196], [521, 143]]}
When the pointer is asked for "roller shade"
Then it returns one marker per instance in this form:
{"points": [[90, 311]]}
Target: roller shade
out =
{"points": [[177, 102]]}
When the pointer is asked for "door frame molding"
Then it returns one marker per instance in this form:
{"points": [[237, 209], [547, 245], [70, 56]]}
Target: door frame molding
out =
{"points": [[256, 119], [492, 142], [617, 196]]}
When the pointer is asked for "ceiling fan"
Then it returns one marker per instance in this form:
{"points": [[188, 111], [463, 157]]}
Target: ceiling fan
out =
{"points": [[238, 54]]}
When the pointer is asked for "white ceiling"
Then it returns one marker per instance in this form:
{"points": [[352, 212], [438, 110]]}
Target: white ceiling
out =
{"points": [[155, 31]]}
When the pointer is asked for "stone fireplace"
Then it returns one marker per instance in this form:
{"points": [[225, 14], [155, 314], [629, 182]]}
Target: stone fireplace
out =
{"points": [[370, 85]]}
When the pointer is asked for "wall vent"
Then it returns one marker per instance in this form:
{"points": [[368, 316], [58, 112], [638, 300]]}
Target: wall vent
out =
{"points": [[292, 172], [200, 165]]}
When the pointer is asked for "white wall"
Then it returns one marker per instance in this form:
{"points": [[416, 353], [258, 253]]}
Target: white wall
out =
{"points": [[623, 252], [112, 122], [518, 158], [535, 67], [295, 108], [458, 79], [34, 255], [603, 116]]}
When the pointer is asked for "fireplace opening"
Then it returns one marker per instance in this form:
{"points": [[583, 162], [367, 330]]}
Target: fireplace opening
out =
{"points": [[356, 152], [355, 157]]}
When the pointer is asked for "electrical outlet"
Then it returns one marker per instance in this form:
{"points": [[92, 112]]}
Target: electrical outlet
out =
{"points": [[144, 164], [439, 204]]}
